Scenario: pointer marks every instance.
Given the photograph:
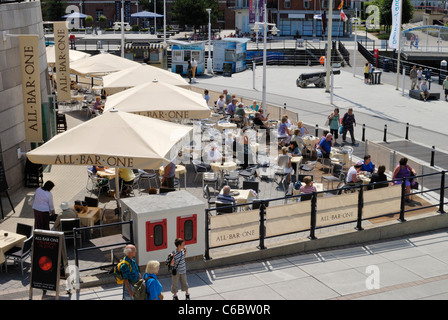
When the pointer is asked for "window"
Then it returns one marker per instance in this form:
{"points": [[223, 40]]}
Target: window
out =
{"points": [[99, 13], [187, 228], [287, 4], [177, 55], [156, 235], [306, 4], [324, 4]]}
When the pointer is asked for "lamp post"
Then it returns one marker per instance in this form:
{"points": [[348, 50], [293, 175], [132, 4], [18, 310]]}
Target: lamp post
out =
{"points": [[164, 22], [209, 59], [122, 28], [274, 31]]}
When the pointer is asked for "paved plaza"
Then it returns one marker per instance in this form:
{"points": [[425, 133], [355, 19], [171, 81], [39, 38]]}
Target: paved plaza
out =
{"points": [[411, 267]]}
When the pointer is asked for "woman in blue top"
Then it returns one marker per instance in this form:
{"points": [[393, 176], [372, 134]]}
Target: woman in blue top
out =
{"points": [[254, 106], [153, 286], [333, 121]]}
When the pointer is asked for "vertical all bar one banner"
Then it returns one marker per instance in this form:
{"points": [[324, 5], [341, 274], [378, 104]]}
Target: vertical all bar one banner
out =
{"points": [[29, 58], [394, 37], [62, 65]]}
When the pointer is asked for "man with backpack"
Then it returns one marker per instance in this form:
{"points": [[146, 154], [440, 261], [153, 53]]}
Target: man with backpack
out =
{"points": [[129, 271]]}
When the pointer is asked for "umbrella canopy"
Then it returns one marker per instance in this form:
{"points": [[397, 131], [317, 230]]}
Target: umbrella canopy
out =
{"points": [[74, 15], [101, 64], [160, 100], [134, 76], [115, 139], [146, 14], [73, 55]]}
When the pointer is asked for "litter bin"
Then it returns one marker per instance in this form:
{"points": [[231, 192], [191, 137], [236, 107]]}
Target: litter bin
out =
{"points": [[179, 69], [386, 65]]}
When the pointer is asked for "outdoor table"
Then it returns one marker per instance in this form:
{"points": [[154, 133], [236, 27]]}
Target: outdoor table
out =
{"points": [[297, 160], [179, 170], [108, 173], [243, 196], [319, 187], [89, 218], [310, 142], [226, 125], [9, 242], [337, 156], [365, 180]]}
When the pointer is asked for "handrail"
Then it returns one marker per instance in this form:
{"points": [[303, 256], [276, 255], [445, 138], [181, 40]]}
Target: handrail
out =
{"points": [[313, 209]]}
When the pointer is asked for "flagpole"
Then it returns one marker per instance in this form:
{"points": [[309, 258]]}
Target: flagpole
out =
{"points": [[356, 42], [399, 44]]}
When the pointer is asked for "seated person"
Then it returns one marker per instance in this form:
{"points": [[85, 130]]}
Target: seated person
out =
{"points": [[379, 176], [258, 122], [324, 147], [254, 106], [367, 165], [303, 129], [308, 187], [284, 164], [127, 177], [262, 116], [239, 111], [283, 132], [294, 149], [231, 108], [220, 104], [169, 175], [296, 137], [214, 155], [424, 92], [67, 213], [98, 105], [225, 196], [352, 174]]}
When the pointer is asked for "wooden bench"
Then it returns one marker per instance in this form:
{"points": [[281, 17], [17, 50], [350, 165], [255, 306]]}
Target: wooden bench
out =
{"points": [[416, 95]]}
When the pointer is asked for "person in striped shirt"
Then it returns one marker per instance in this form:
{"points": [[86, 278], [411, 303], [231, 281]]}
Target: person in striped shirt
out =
{"points": [[179, 264]]}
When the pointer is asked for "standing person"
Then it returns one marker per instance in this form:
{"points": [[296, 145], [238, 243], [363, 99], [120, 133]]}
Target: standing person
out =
{"points": [[413, 77], [412, 41], [366, 73], [416, 42], [419, 76], [445, 87], [43, 206], [189, 70], [194, 66], [348, 123], [179, 264], [371, 68], [333, 121], [227, 96], [130, 272], [153, 286]]}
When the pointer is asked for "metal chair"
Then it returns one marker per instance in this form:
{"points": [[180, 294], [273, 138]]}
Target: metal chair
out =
{"points": [[61, 122], [249, 173], [91, 202], [337, 176], [24, 229], [307, 167], [199, 168], [67, 226], [210, 178], [233, 178], [148, 175], [210, 200], [252, 185], [228, 208], [19, 254]]}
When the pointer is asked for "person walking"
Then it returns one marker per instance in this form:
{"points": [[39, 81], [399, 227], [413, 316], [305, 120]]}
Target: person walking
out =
{"points": [[445, 87], [130, 272], [333, 122], [348, 123], [178, 263], [153, 285], [413, 77], [189, 70], [43, 206]]}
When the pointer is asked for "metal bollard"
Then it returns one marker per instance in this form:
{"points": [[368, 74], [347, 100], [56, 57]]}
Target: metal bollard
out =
{"points": [[432, 155], [385, 133], [317, 130], [407, 131], [363, 133]]}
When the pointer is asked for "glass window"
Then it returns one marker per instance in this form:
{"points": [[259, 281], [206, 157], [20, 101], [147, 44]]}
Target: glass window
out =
{"points": [[287, 4], [187, 55], [196, 55], [177, 55], [229, 55], [158, 235], [188, 230]]}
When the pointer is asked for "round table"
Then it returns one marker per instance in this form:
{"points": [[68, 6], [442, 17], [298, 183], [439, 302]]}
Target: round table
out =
{"points": [[226, 125], [180, 169], [106, 173], [228, 166]]}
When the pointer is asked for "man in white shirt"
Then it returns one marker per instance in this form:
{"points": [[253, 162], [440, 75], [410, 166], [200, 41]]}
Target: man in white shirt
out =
{"points": [[352, 174]]}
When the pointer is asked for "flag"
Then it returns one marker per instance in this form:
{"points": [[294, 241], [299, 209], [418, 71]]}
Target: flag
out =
{"points": [[340, 5], [396, 24], [317, 17], [343, 16]]}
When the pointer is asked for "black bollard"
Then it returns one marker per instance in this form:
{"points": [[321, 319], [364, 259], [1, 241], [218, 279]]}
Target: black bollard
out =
{"points": [[363, 133], [407, 131], [317, 130], [432, 156], [385, 133]]}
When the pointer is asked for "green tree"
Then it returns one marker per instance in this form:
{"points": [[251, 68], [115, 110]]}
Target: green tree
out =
{"points": [[193, 13], [385, 7], [88, 21], [53, 10]]}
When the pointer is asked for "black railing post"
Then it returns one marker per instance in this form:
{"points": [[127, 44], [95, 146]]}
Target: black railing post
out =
{"points": [[403, 199], [131, 231], [75, 247], [261, 245], [442, 193], [207, 235], [385, 133], [312, 235], [407, 131], [363, 132], [432, 155], [360, 206], [317, 130]]}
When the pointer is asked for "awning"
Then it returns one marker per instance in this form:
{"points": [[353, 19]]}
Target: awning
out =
{"points": [[144, 45]]}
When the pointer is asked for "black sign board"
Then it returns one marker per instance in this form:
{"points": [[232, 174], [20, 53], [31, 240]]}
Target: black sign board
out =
{"points": [[48, 260], [3, 182], [227, 69]]}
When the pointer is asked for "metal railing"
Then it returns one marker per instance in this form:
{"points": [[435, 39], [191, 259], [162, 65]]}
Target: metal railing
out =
{"points": [[77, 250], [313, 210]]}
